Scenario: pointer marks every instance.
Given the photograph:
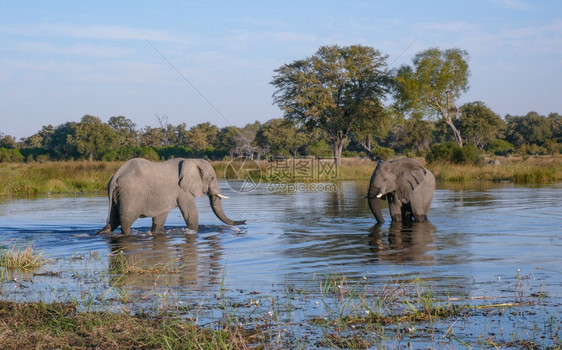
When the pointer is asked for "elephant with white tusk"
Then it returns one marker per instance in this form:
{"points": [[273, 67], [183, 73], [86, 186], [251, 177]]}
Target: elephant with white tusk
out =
{"points": [[407, 186], [141, 188]]}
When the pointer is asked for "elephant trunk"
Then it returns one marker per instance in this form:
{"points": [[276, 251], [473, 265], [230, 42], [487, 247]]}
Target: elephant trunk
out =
{"points": [[375, 204], [216, 205]]}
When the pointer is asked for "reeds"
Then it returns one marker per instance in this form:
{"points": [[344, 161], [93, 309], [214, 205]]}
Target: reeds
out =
{"points": [[61, 326], [81, 176], [21, 258]]}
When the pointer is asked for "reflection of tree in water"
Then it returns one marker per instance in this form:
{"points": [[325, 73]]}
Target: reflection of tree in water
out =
{"points": [[403, 242], [169, 259]]}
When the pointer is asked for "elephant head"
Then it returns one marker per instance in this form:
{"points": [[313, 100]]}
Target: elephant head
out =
{"points": [[396, 178], [198, 177]]}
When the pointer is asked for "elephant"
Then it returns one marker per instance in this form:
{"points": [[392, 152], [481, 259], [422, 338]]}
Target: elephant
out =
{"points": [[141, 188], [408, 187]]}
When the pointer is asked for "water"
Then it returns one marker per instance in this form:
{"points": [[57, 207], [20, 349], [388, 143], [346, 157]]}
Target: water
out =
{"points": [[497, 241]]}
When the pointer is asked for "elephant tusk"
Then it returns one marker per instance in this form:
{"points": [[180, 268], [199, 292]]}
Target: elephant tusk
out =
{"points": [[221, 196], [379, 195]]}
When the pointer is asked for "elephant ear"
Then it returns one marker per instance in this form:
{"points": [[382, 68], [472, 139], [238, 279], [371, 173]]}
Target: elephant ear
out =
{"points": [[410, 175], [191, 178]]}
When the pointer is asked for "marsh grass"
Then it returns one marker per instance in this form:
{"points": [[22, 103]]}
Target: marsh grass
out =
{"points": [[355, 314], [517, 172], [61, 326], [55, 177], [123, 264], [81, 176], [21, 258]]}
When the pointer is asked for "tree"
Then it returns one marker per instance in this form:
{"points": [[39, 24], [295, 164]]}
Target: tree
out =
{"points": [[556, 121], [41, 139], [431, 86], [334, 90], [7, 141], [202, 136], [225, 140], [152, 137], [92, 137], [245, 141], [413, 133], [479, 124], [528, 130], [373, 129], [127, 135], [281, 136], [58, 141]]}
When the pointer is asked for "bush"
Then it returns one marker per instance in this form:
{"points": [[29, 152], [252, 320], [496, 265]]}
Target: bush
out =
{"points": [[500, 147], [532, 150], [383, 153], [10, 155], [351, 154], [453, 153]]}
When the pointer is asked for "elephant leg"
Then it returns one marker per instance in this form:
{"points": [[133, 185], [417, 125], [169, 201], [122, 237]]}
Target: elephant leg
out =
{"points": [[189, 212], [158, 223], [127, 217], [126, 226], [407, 212], [420, 217], [395, 210], [112, 222]]}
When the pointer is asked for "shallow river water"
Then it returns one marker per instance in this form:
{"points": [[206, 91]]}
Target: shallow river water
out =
{"points": [[496, 242]]}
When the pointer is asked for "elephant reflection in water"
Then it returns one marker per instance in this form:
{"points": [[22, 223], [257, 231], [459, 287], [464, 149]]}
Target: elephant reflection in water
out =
{"points": [[161, 260], [408, 241]]}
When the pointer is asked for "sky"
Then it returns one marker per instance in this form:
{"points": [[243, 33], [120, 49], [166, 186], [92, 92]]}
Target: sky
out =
{"points": [[213, 61]]}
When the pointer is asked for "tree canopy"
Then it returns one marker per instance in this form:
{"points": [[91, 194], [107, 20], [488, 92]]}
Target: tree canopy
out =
{"points": [[334, 90], [331, 101], [433, 83]]}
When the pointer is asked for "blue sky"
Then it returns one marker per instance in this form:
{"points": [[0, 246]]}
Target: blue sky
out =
{"points": [[60, 60]]}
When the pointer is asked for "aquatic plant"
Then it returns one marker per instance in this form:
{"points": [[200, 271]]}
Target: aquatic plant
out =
{"points": [[21, 258]]}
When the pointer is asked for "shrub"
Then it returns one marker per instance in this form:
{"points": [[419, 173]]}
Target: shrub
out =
{"points": [[532, 149], [500, 147], [383, 153], [10, 155], [453, 153]]}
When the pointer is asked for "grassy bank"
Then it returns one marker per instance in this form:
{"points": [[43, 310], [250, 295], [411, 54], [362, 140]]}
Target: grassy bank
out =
{"points": [[80, 177], [61, 326]]}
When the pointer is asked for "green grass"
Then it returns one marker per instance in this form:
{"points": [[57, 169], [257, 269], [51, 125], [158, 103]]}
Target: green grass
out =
{"points": [[81, 176], [61, 326], [55, 177]]}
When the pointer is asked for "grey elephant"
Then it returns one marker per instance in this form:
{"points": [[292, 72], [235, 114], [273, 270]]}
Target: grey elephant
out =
{"points": [[141, 188], [408, 187]]}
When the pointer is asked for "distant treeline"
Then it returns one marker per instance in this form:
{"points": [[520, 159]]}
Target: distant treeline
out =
{"points": [[483, 131]]}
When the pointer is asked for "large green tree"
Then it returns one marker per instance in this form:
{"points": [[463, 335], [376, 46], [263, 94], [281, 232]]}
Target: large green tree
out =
{"points": [[528, 130], [92, 138], [202, 136], [479, 124], [127, 135], [433, 83], [335, 90]]}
